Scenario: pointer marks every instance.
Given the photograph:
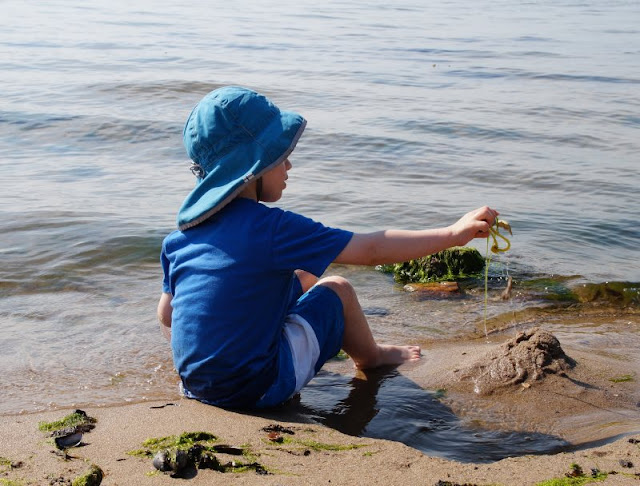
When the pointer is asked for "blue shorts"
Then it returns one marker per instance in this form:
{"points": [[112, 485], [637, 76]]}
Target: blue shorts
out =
{"points": [[312, 335]]}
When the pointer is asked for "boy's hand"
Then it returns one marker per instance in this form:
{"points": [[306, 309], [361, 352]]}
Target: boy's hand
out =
{"points": [[474, 224]]}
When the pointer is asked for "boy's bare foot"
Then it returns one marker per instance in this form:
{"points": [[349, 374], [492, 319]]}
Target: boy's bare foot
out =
{"points": [[392, 355]]}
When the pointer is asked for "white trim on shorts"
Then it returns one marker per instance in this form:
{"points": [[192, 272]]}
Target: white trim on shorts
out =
{"points": [[304, 346]]}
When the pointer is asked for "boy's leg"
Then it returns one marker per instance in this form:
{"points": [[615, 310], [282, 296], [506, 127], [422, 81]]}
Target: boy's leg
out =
{"points": [[358, 341], [307, 280]]}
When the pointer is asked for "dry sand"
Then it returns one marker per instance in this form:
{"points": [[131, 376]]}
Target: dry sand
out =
{"points": [[306, 459]]}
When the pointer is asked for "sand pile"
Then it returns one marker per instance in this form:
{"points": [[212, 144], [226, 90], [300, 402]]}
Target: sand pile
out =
{"points": [[530, 356]]}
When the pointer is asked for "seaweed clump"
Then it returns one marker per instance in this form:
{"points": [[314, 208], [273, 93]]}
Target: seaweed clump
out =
{"points": [[67, 432], [576, 477], [176, 453], [452, 264], [93, 477], [77, 421]]}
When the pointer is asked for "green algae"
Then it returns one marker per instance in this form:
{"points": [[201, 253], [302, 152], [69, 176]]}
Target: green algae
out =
{"points": [[573, 481], [183, 441], [5, 464], [621, 379], [93, 477], [315, 445], [623, 294], [11, 482], [575, 477], [440, 393], [341, 356], [453, 264], [75, 419], [553, 288], [558, 289], [320, 446]]}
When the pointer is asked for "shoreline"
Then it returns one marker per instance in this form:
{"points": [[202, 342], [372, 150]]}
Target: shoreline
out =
{"points": [[306, 458], [319, 454]]}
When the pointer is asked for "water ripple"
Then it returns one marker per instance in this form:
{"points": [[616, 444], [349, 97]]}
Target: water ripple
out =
{"points": [[521, 74]]}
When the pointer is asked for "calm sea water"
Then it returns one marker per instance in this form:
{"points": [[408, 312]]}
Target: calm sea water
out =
{"points": [[418, 112]]}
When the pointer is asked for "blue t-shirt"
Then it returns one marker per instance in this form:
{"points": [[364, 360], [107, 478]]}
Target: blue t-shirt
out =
{"points": [[231, 278]]}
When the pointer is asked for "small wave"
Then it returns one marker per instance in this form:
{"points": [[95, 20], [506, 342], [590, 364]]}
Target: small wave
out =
{"points": [[133, 131], [34, 121], [166, 90], [471, 53], [532, 38], [521, 74], [469, 131], [581, 78], [67, 251], [463, 130], [68, 134]]}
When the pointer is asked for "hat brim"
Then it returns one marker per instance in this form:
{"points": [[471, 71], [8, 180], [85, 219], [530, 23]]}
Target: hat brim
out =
{"points": [[271, 147]]}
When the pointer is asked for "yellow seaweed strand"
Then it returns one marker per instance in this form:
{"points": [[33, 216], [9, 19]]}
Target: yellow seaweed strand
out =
{"points": [[487, 261], [494, 232]]}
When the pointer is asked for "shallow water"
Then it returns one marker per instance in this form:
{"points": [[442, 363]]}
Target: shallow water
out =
{"points": [[387, 405], [417, 113]]}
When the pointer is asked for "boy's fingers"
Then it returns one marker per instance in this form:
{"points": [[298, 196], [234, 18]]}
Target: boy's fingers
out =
{"points": [[489, 215]]}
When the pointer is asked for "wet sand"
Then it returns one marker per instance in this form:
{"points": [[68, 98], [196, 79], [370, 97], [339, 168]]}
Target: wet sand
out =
{"points": [[583, 405], [562, 405]]}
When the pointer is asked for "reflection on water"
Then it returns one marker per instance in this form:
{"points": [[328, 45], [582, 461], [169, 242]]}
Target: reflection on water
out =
{"points": [[385, 404]]}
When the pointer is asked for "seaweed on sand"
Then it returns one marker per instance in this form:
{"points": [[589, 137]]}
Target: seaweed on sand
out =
{"points": [[78, 420]]}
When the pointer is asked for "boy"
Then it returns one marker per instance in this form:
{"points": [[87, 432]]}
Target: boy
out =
{"points": [[248, 319]]}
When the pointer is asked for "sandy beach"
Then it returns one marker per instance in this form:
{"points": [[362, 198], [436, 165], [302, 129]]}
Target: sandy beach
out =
{"points": [[305, 459], [300, 452]]}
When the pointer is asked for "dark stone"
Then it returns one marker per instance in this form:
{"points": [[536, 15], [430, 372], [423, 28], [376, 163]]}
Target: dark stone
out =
{"points": [[278, 428]]}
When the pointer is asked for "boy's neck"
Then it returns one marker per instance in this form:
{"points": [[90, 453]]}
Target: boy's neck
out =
{"points": [[250, 191]]}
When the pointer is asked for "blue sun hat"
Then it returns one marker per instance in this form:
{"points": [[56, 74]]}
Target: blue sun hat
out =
{"points": [[233, 136]]}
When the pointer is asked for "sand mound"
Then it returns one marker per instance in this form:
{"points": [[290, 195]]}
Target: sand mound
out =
{"points": [[529, 357]]}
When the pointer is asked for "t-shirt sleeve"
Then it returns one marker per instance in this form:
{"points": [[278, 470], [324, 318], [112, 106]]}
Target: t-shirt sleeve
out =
{"points": [[301, 243], [166, 286]]}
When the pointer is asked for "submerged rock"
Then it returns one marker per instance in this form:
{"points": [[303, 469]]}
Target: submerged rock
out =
{"points": [[433, 288], [451, 264], [622, 294], [171, 460], [66, 441], [529, 357]]}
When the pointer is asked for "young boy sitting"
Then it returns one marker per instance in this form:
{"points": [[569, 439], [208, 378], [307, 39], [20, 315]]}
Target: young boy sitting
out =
{"points": [[248, 319]]}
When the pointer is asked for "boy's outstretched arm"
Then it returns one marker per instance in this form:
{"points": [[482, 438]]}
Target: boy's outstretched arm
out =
{"points": [[392, 246], [164, 314]]}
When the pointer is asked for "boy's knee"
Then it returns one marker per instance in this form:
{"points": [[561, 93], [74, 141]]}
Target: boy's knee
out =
{"points": [[341, 286]]}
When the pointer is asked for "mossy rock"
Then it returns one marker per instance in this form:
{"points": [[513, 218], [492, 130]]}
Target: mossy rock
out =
{"points": [[448, 265]]}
